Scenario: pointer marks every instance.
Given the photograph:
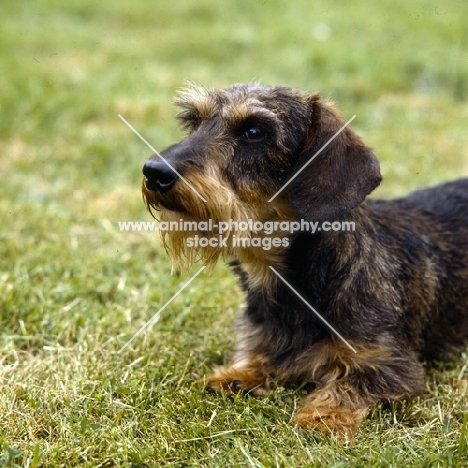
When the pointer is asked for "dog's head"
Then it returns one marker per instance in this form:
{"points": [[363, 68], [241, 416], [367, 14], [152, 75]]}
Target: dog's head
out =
{"points": [[259, 153]]}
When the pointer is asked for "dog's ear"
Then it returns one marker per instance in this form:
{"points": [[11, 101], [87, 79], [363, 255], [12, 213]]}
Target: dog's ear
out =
{"points": [[340, 176]]}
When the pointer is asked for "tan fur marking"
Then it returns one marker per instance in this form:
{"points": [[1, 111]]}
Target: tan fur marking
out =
{"points": [[246, 377]]}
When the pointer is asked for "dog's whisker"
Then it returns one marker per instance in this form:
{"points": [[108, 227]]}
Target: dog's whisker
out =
{"points": [[160, 157]]}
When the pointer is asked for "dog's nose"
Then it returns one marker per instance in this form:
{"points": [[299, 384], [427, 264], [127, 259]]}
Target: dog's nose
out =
{"points": [[158, 176]]}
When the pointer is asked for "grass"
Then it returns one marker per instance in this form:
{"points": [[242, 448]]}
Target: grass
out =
{"points": [[73, 288]]}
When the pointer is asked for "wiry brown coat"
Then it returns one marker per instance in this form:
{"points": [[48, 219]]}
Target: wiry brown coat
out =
{"points": [[396, 288]]}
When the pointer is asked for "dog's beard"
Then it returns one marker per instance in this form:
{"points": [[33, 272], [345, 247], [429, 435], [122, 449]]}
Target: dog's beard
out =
{"points": [[181, 208]]}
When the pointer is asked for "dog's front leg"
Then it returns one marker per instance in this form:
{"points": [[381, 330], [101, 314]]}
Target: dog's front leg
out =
{"points": [[334, 408], [340, 402], [246, 376]]}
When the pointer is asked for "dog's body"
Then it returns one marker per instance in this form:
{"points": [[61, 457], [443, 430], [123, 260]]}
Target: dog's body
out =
{"points": [[389, 294]]}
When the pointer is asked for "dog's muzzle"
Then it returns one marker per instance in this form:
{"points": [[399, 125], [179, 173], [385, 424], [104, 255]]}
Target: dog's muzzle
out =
{"points": [[159, 177]]}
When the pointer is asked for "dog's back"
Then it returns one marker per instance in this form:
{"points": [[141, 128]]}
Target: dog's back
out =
{"points": [[441, 214], [448, 203]]}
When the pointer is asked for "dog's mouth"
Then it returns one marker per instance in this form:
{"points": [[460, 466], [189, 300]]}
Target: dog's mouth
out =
{"points": [[158, 201]]}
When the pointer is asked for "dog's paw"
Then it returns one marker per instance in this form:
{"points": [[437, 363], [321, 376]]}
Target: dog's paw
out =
{"points": [[342, 422], [237, 379]]}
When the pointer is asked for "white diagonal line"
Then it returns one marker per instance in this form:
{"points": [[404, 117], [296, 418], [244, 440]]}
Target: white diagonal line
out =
{"points": [[157, 315], [312, 158], [157, 153], [313, 310]]}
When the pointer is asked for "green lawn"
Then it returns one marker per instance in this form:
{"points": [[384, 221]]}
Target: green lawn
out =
{"points": [[74, 289]]}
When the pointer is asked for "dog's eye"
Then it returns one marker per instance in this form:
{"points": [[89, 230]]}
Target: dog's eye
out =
{"points": [[253, 135]]}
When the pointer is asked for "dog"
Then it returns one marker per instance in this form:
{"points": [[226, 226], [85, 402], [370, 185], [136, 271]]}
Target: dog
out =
{"points": [[350, 314]]}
